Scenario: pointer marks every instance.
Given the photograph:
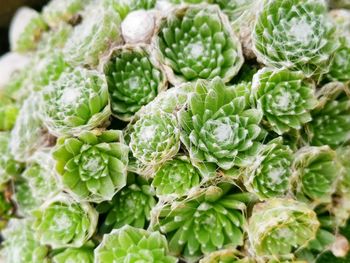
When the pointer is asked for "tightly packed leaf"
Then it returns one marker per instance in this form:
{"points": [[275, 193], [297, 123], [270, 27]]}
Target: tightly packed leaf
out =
{"points": [[331, 119], [130, 206], [176, 177], [317, 172], [295, 34], [62, 222], [197, 42], [285, 98], [90, 39], [271, 172], [154, 138], [204, 223], [92, 165], [129, 244], [78, 100], [279, 226], [189, 131], [219, 126], [21, 246], [133, 80]]}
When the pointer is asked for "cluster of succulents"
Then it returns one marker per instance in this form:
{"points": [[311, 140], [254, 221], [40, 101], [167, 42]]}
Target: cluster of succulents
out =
{"points": [[209, 131]]}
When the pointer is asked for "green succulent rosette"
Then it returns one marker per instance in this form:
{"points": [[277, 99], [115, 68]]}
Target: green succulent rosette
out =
{"points": [[316, 173], [200, 224], [219, 126], [197, 42], [295, 34], [93, 165], [8, 113], [25, 199], [18, 87], [134, 79], [41, 176], [26, 29], [154, 138], [271, 173], [285, 97], [76, 102], [9, 167], [123, 7], [130, 206], [129, 244], [330, 123], [58, 11], [91, 39], [226, 256], [341, 18], [340, 65], [28, 134], [77, 255], [176, 177], [62, 222], [47, 68], [278, 227], [20, 245]]}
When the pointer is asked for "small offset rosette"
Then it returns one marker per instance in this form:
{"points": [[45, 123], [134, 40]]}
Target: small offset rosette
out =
{"points": [[129, 244], [197, 42], [92, 166], [296, 34], [134, 79], [63, 222], [278, 227], [76, 102]]}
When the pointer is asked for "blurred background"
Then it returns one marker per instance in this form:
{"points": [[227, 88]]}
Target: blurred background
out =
{"points": [[7, 10]]}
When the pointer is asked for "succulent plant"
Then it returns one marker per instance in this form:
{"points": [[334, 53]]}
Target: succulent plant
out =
{"points": [[76, 255], [63, 222], [197, 42], [296, 35], [25, 199], [61, 112], [130, 206], [129, 244], [9, 167], [26, 29], [330, 123], [47, 69], [279, 226], [58, 11], [134, 79], [28, 134], [285, 97], [271, 172], [154, 138], [20, 245], [41, 176], [316, 173], [343, 154], [219, 126], [340, 66], [93, 165], [176, 178], [8, 113], [99, 29], [203, 223]]}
